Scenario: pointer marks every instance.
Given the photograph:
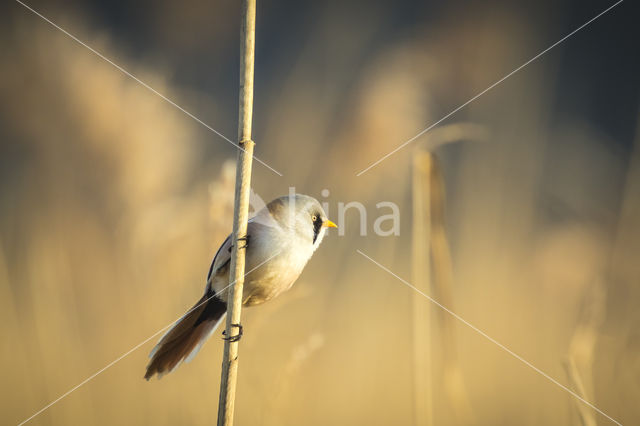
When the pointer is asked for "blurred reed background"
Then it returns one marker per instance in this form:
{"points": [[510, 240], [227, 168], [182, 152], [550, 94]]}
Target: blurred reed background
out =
{"points": [[112, 203]]}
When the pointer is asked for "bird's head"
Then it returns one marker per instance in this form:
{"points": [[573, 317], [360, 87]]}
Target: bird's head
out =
{"points": [[300, 214]]}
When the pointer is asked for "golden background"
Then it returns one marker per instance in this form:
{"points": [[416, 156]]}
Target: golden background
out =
{"points": [[113, 202]]}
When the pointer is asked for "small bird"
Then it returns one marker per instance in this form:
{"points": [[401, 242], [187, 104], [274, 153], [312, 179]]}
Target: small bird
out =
{"points": [[280, 240]]}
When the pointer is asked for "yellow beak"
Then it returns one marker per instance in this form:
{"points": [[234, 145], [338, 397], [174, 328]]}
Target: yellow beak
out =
{"points": [[327, 223]]}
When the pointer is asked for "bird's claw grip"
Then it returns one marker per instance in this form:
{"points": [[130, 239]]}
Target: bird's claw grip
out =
{"points": [[246, 242], [236, 337]]}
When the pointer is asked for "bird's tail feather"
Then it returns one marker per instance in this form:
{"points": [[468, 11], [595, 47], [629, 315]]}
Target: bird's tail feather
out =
{"points": [[186, 337]]}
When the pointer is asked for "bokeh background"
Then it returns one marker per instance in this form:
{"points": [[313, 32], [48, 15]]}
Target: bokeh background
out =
{"points": [[112, 203]]}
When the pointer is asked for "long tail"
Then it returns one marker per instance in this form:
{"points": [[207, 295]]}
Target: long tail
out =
{"points": [[186, 337]]}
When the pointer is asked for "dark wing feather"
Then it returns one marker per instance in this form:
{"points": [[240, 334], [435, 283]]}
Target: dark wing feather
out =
{"points": [[220, 261]]}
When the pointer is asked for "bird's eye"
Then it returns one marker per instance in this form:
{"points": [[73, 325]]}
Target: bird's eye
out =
{"points": [[314, 218]]}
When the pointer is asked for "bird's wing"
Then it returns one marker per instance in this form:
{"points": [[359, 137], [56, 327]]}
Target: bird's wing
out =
{"points": [[220, 261]]}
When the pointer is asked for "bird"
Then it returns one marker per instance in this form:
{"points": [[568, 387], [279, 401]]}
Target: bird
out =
{"points": [[280, 240]]}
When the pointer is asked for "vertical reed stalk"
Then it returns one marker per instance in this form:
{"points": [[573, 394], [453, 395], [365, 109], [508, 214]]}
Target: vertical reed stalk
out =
{"points": [[587, 418], [422, 380], [443, 290], [241, 214], [432, 255]]}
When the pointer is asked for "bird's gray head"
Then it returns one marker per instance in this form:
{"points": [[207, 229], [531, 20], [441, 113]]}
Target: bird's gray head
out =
{"points": [[299, 214]]}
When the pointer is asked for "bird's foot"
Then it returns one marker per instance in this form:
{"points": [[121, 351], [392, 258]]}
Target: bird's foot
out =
{"points": [[246, 242], [235, 338], [245, 245]]}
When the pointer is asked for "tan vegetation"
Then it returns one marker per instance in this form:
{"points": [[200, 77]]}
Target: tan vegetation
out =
{"points": [[112, 204]]}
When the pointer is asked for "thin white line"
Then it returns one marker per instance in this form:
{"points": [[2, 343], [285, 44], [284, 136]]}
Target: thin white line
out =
{"points": [[489, 88], [144, 84], [491, 339], [88, 379]]}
